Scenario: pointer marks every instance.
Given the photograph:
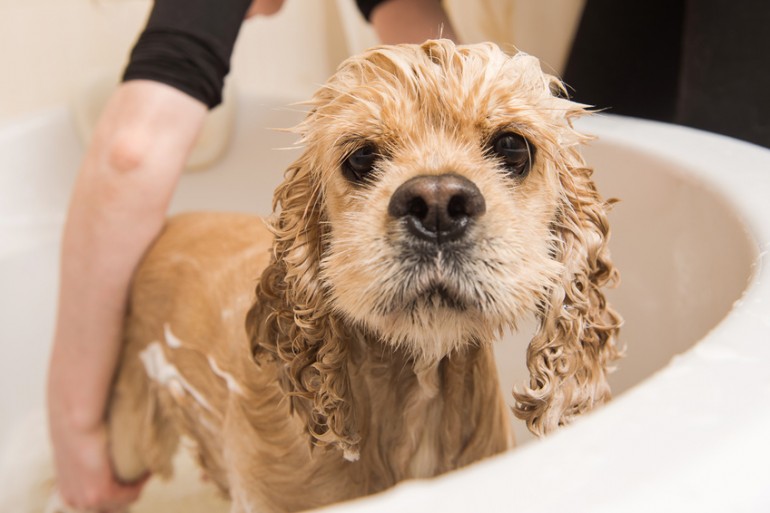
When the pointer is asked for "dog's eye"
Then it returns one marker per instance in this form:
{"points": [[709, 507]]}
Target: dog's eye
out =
{"points": [[360, 163], [515, 152]]}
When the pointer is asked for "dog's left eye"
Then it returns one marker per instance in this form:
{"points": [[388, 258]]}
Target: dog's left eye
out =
{"points": [[515, 152], [359, 164]]}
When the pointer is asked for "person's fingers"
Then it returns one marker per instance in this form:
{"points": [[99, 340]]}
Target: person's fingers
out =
{"points": [[117, 497], [120, 498], [122, 494], [97, 489], [264, 7]]}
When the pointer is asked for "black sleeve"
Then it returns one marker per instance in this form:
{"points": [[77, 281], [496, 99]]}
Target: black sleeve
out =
{"points": [[626, 56], [367, 6], [187, 44]]}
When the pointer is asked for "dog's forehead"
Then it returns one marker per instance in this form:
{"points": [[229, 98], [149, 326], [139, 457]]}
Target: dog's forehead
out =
{"points": [[437, 83]]}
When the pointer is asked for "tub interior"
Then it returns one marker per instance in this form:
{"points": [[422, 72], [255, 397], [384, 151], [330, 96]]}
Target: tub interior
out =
{"points": [[684, 258], [683, 254]]}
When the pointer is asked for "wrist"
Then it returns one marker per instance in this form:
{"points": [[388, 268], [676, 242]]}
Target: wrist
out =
{"points": [[69, 408]]}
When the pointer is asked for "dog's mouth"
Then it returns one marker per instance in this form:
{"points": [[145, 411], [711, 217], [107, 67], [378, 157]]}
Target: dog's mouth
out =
{"points": [[432, 297], [430, 279], [435, 296]]}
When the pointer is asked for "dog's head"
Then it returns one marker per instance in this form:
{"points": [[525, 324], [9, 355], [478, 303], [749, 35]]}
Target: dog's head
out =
{"points": [[440, 198]]}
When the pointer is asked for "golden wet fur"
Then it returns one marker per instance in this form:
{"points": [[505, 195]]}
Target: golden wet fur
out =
{"points": [[365, 361]]}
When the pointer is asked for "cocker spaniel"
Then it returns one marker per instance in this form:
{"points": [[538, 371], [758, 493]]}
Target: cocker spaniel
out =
{"points": [[439, 199]]}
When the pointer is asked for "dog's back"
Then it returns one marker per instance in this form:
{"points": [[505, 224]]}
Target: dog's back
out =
{"points": [[185, 340]]}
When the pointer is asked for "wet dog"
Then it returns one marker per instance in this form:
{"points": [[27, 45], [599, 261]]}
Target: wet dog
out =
{"points": [[440, 198]]}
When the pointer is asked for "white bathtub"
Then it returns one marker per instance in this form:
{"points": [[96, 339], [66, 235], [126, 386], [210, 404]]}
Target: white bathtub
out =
{"points": [[689, 427]]}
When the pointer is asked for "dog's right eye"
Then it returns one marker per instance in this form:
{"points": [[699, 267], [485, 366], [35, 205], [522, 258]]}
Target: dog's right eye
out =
{"points": [[515, 153], [359, 164]]}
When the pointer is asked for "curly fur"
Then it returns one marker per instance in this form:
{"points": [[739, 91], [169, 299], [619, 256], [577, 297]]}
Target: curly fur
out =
{"points": [[292, 320], [367, 355], [569, 356]]}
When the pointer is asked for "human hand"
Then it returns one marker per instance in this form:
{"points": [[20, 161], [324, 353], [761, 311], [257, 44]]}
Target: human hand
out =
{"points": [[264, 7], [85, 479]]}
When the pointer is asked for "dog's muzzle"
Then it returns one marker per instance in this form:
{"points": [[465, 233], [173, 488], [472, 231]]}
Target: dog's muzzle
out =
{"points": [[437, 208]]}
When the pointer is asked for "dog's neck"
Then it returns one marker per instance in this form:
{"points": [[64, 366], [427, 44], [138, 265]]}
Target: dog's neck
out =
{"points": [[430, 416], [403, 418]]}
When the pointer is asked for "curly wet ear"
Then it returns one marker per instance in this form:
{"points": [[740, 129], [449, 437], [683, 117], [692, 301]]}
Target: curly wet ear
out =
{"points": [[291, 321], [572, 352]]}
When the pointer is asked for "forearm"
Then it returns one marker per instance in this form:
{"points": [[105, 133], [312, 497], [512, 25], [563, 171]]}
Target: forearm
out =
{"points": [[117, 208], [411, 21]]}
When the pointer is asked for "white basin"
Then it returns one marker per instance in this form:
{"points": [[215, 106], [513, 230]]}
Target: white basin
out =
{"points": [[688, 429]]}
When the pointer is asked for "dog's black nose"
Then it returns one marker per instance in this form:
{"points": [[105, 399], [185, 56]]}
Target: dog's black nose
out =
{"points": [[437, 208]]}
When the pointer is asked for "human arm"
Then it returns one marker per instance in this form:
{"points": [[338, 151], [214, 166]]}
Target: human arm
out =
{"points": [[411, 21], [264, 7], [117, 208]]}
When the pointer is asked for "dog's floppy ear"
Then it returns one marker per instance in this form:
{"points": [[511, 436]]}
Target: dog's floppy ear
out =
{"points": [[571, 353], [291, 320]]}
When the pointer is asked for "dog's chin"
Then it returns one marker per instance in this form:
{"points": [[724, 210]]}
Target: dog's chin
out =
{"points": [[431, 300], [430, 333], [432, 323]]}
